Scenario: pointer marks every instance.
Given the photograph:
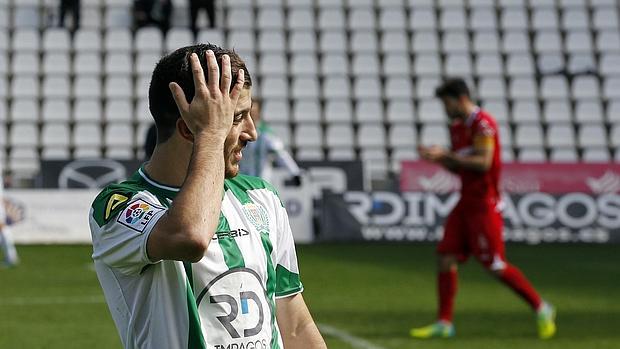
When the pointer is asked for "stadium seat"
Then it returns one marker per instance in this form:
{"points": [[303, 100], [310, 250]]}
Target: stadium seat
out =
{"points": [[118, 40], [55, 135], [425, 87], [118, 16], [24, 160], [489, 64], [371, 135], [561, 135], [528, 136], [333, 41], [611, 88], [396, 64], [213, 36], [579, 42], [56, 87], [524, 111], [589, 112], [25, 40], [273, 64], [486, 42], [87, 135], [369, 111], [87, 110], [431, 111], [283, 132], [56, 63], [605, 18], [522, 88], [613, 111], [491, 87], [398, 87], [505, 136], [118, 63], [25, 63], [563, 155], [309, 154], [149, 39], [367, 87], [338, 111], [399, 111], [554, 87], [610, 64], [498, 108], [25, 16], [118, 135], [516, 41], [308, 135], [532, 155], [550, 63], [340, 154], [427, 64], [271, 41], [364, 41], [614, 135], [548, 42], [362, 19], [55, 110], [394, 42], [275, 110], [545, 19], [178, 37], [575, 19], [458, 64], [339, 136], [305, 87], [118, 110], [331, 18], [24, 134], [87, 40], [336, 87], [302, 42], [402, 135], [453, 19], [300, 18], [365, 64], [483, 19], [24, 110], [270, 18], [513, 18], [455, 42], [608, 41], [56, 39], [425, 42], [557, 111], [241, 18], [118, 87], [434, 135], [277, 87], [392, 19], [592, 136], [422, 19], [334, 64], [596, 155], [520, 65], [241, 39], [307, 110]]}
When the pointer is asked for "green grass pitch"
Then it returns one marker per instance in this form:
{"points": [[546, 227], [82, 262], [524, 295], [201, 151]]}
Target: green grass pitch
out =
{"points": [[372, 292]]}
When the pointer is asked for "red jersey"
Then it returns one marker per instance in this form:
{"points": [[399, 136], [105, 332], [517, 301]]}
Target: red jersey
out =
{"points": [[477, 186]]}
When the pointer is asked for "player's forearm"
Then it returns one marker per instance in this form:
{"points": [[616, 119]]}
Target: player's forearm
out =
{"points": [[306, 336], [454, 161], [194, 214]]}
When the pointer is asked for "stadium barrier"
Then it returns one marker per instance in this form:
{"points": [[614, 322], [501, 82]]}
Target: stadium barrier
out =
{"points": [[540, 204]]}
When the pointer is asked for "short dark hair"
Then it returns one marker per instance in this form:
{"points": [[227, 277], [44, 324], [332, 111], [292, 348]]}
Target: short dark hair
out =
{"points": [[452, 87], [175, 67]]}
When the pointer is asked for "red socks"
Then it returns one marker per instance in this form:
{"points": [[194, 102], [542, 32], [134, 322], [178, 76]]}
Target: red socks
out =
{"points": [[514, 279], [446, 285]]}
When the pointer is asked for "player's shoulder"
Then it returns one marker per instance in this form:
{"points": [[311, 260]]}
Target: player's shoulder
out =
{"points": [[114, 198], [245, 183], [485, 117], [485, 123]]}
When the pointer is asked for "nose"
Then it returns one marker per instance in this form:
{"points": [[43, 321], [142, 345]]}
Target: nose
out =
{"points": [[248, 132]]}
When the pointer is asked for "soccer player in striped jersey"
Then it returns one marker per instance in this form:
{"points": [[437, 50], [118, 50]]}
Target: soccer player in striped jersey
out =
{"points": [[189, 253], [6, 237], [475, 225]]}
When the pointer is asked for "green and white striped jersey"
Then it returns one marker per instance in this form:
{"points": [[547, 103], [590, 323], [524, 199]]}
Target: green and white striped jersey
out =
{"points": [[226, 300]]}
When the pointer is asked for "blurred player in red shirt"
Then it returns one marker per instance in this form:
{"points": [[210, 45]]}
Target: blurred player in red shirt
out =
{"points": [[475, 225]]}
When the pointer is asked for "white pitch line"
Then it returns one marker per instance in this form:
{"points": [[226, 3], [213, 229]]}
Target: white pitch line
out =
{"points": [[20, 301], [355, 342]]}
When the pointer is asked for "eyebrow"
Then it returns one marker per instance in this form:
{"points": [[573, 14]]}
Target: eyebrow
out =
{"points": [[243, 111]]}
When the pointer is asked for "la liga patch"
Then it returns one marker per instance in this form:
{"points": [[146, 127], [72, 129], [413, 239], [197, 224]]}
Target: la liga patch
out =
{"points": [[138, 214]]}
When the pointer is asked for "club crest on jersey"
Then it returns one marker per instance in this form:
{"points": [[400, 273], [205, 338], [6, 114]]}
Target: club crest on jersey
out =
{"points": [[138, 214], [257, 216]]}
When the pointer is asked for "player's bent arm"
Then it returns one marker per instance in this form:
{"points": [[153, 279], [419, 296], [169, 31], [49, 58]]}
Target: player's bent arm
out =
{"points": [[480, 160], [186, 229], [296, 325]]}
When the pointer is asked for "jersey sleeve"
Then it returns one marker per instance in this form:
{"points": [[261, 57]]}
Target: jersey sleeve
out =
{"points": [[288, 281], [484, 134], [120, 228]]}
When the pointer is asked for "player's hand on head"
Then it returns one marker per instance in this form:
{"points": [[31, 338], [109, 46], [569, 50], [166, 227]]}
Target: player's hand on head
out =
{"points": [[212, 108]]}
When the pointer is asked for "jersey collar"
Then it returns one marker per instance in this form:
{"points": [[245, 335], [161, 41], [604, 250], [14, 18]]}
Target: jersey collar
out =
{"points": [[472, 116], [168, 191]]}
